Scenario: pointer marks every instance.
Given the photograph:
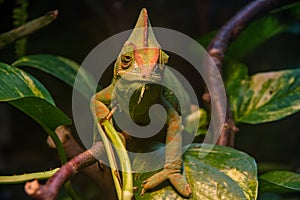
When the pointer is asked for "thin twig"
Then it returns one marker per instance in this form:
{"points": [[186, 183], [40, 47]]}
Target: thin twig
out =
{"points": [[217, 49], [28, 28]]}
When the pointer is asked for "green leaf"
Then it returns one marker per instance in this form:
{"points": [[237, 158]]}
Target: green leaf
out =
{"points": [[263, 29], [224, 173], [42, 112], [279, 181], [26, 93], [15, 83], [263, 97], [62, 68]]}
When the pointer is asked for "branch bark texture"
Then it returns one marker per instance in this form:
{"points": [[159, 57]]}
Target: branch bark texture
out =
{"points": [[217, 49], [27, 29], [85, 161], [50, 190]]}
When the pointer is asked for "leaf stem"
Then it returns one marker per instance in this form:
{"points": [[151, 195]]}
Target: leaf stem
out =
{"points": [[111, 160], [27, 177], [124, 159], [60, 149]]}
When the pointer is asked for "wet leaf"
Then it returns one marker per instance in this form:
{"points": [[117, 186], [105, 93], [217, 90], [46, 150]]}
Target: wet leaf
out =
{"points": [[224, 173]]}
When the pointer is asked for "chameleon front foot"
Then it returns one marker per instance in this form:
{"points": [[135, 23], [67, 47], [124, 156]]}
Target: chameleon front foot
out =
{"points": [[173, 174]]}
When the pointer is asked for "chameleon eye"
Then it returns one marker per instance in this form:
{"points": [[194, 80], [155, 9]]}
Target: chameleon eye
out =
{"points": [[125, 61]]}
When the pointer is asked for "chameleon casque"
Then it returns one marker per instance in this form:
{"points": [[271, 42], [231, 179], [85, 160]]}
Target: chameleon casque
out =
{"points": [[141, 61]]}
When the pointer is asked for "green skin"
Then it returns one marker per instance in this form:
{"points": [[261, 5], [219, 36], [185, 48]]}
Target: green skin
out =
{"points": [[142, 61]]}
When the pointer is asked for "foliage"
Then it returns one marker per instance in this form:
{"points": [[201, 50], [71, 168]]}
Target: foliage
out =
{"points": [[27, 94], [280, 181], [62, 68], [263, 97], [224, 173], [264, 29]]}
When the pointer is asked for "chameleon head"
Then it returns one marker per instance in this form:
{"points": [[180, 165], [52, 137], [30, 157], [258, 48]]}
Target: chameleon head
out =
{"points": [[141, 58]]}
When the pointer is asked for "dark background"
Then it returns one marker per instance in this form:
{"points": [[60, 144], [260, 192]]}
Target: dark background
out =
{"points": [[81, 25]]}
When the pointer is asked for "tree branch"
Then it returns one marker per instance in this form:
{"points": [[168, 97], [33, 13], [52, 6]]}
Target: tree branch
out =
{"points": [[98, 172], [83, 161], [52, 186], [217, 49], [28, 28]]}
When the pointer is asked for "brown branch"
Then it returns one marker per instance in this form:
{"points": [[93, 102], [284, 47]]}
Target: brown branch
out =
{"points": [[52, 186], [26, 29], [98, 172], [217, 49], [69, 143]]}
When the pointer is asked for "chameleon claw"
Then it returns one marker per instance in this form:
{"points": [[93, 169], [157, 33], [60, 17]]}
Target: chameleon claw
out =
{"points": [[143, 192], [175, 177], [179, 182], [143, 189], [155, 180]]}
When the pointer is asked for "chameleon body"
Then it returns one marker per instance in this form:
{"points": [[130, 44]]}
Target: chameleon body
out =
{"points": [[142, 61]]}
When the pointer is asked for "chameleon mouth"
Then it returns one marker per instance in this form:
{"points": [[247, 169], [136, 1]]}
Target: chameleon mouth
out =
{"points": [[144, 89], [138, 77]]}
